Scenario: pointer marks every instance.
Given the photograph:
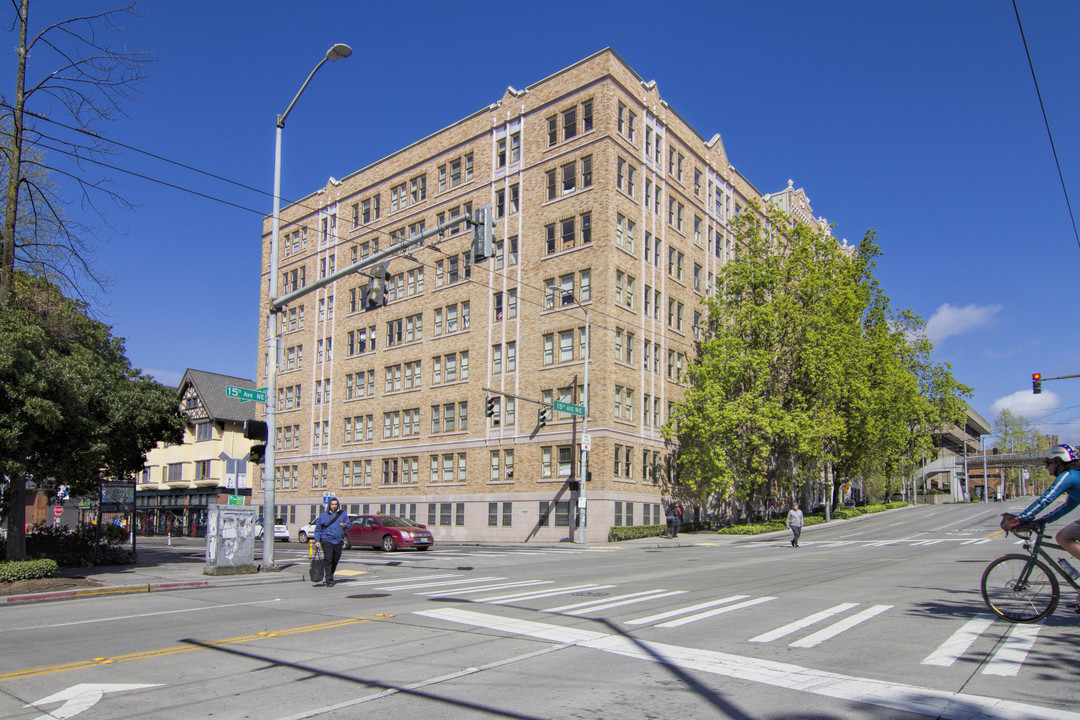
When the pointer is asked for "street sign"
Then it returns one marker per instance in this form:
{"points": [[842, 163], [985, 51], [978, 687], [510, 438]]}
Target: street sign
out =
{"points": [[586, 442], [243, 394], [58, 511], [561, 406], [236, 499], [327, 496]]}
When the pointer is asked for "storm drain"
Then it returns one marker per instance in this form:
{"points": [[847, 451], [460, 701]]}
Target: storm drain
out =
{"points": [[367, 596]]}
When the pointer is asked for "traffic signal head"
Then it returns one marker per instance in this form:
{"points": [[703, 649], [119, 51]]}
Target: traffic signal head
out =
{"points": [[543, 415], [483, 233], [1036, 383], [257, 454], [375, 290], [255, 430], [489, 407]]}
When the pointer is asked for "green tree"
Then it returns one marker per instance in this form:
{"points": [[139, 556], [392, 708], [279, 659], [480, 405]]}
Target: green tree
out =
{"points": [[71, 405], [804, 371]]}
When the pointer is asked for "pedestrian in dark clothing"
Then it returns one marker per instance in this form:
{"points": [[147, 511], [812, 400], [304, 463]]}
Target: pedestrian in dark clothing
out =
{"points": [[330, 536], [672, 521]]}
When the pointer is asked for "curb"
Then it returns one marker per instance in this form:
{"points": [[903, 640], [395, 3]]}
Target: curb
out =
{"points": [[29, 598]]}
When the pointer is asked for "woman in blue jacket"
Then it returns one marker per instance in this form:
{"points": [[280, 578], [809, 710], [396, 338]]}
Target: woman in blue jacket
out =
{"points": [[330, 536]]}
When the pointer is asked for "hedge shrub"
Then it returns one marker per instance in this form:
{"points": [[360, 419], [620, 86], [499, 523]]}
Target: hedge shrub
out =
{"points": [[77, 548], [27, 570], [633, 532], [839, 514]]}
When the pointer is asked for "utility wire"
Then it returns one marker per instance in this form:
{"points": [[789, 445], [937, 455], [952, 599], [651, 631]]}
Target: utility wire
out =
{"points": [[1046, 120]]}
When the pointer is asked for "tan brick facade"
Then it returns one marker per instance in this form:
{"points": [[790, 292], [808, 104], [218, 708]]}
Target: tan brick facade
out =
{"points": [[568, 162]]}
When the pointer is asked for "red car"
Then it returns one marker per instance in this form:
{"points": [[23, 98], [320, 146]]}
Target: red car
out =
{"points": [[388, 532]]}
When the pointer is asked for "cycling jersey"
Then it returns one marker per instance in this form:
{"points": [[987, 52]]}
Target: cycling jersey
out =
{"points": [[1067, 482]]}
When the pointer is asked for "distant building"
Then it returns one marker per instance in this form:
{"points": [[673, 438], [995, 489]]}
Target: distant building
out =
{"points": [[607, 202], [957, 448], [179, 481]]}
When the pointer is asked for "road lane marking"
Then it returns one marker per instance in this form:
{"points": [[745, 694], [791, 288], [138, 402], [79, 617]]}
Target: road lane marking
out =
{"points": [[142, 615], [485, 588], [618, 602], [517, 597], [957, 644], [683, 611], [717, 611], [848, 688], [804, 623], [178, 649], [1011, 656], [838, 627], [413, 585]]}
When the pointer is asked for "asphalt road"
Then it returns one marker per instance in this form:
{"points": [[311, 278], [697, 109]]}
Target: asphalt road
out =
{"points": [[878, 618]]}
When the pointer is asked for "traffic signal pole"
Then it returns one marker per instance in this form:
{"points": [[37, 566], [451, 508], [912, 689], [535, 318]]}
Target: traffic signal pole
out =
{"points": [[482, 221]]}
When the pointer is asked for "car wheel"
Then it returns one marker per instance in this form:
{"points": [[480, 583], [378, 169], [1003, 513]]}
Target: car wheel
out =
{"points": [[347, 544], [388, 543], [301, 536]]}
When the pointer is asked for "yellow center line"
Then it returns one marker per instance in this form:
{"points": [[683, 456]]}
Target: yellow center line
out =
{"points": [[160, 652]]}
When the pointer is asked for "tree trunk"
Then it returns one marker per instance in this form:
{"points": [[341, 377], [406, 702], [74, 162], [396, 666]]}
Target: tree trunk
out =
{"points": [[11, 196], [16, 520]]}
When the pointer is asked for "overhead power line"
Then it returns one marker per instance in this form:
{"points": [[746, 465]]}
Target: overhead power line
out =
{"points": [[1046, 120]]}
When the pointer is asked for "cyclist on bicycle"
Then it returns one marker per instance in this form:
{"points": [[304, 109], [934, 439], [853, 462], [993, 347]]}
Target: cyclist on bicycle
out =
{"points": [[1062, 462]]}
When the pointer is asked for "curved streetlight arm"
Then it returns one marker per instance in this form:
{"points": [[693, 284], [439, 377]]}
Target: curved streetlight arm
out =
{"points": [[337, 52]]}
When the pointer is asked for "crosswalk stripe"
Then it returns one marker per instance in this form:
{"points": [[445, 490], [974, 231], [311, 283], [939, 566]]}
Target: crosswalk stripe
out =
{"points": [[960, 641], [1011, 656], [412, 585], [683, 611], [487, 588], [656, 595], [501, 599], [800, 624], [840, 626], [601, 601], [397, 580], [711, 613]]}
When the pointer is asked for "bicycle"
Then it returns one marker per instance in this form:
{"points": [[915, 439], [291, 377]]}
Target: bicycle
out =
{"points": [[1023, 587]]}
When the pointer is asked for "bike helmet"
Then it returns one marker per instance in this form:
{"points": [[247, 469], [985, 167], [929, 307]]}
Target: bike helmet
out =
{"points": [[1064, 453]]}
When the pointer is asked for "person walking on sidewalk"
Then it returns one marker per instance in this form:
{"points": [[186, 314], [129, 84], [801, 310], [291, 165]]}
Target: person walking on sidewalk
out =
{"points": [[795, 522], [330, 536], [672, 521]]}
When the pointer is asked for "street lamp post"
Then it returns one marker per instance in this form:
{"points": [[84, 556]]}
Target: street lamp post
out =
{"points": [[335, 53], [584, 472]]}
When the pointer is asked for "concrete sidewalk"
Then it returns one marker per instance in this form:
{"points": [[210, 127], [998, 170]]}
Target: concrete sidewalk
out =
{"points": [[160, 568]]}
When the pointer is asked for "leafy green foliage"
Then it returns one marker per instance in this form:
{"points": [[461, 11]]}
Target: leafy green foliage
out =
{"points": [[775, 525], [80, 547], [71, 405], [633, 532], [27, 570], [804, 370]]}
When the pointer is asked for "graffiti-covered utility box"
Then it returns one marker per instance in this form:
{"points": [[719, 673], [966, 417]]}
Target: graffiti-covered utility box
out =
{"points": [[230, 540]]}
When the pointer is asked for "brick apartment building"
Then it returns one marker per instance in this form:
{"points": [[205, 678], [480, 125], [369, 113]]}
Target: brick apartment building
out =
{"points": [[606, 200]]}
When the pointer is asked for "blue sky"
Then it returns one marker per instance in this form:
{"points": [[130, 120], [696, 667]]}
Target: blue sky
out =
{"points": [[917, 119]]}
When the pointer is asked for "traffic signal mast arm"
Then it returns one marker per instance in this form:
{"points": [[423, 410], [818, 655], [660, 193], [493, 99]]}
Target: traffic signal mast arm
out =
{"points": [[516, 397], [1060, 377], [277, 304]]}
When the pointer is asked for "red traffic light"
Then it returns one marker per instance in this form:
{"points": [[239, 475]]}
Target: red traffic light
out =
{"points": [[1036, 383]]}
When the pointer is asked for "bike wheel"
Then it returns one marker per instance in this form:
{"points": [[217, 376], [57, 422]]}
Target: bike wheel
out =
{"points": [[1020, 588]]}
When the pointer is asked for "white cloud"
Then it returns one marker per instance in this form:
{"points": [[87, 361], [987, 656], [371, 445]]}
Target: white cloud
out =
{"points": [[1026, 403], [165, 377], [948, 320]]}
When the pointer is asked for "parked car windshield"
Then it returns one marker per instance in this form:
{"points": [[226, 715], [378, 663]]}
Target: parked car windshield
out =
{"points": [[392, 521]]}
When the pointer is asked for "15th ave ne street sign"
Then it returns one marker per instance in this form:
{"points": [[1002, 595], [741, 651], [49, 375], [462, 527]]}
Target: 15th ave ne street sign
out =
{"points": [[561, 406], [243, 394]]}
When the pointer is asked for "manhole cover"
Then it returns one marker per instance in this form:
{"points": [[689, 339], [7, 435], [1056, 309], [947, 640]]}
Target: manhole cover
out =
{"points": [[590, 594], [368, 596]]}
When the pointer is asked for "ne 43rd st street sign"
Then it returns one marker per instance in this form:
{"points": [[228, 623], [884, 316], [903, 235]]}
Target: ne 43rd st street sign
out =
{"points": [[243, 394], [568, 408]]}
